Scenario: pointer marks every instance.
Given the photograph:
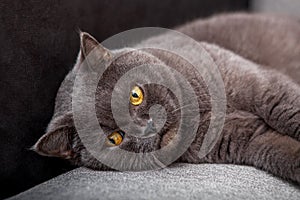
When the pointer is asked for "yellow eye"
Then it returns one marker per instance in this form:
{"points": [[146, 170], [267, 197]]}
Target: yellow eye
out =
{"points": [[136, 96], [115, 138]]}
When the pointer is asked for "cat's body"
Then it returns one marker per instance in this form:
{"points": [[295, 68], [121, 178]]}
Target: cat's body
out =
{"points": [[262, 125], [269, 40]]}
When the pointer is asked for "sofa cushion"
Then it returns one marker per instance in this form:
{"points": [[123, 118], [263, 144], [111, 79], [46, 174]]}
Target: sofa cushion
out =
{"points": [[180, 181]]}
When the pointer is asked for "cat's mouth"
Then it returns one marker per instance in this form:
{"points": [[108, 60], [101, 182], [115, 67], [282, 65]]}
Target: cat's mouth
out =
{"points": [[149, 130], [149, 137]]}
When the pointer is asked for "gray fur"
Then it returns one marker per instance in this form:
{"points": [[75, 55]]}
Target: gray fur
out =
{"points": [[262, 125]]}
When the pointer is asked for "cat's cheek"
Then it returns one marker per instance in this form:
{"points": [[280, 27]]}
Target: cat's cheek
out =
{"points": [[126, 145]]}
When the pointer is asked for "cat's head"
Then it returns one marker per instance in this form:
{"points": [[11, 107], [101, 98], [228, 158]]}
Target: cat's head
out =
{"points": [[62, 138]]}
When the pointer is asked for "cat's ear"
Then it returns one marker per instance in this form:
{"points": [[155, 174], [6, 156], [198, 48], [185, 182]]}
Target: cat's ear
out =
{"points": [[57, 143], [92, 50]]}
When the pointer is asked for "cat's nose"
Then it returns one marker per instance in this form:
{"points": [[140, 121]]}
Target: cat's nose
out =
{"points": [[150, 128]]}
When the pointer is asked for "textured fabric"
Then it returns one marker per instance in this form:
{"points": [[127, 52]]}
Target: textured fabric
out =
{"points": [[181, 181]]}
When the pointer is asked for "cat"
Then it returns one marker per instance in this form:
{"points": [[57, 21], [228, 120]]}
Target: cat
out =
{"points": [[262, 124]]}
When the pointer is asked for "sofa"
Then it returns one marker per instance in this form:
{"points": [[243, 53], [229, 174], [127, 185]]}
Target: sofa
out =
{"points": [[179, 181]]}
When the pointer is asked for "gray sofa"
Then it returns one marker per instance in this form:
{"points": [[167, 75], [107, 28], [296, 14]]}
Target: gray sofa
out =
{"points": [[180, 181]]}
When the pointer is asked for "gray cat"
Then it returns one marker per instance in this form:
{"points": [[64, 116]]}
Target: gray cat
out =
{"points": [[262, 124]]}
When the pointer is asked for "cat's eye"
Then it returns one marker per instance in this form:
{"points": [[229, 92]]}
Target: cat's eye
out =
{"points": [[136, 96], [115, 138]]}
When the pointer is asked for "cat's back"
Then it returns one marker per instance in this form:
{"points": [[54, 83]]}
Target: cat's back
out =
{"points": [[268, 40]]}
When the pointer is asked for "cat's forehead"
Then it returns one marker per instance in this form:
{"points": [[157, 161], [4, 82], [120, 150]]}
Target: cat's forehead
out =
{"points": [[123, 60], [134, 57]]}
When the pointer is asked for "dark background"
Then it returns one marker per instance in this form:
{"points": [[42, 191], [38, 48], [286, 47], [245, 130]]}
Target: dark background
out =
{"points": [[39, 45]]}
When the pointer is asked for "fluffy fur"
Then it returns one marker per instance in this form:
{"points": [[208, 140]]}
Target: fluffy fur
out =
{"points": [[262, 126]]}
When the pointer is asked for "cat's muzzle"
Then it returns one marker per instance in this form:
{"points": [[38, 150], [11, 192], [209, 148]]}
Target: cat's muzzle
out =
{"points": [[149, 129]]}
